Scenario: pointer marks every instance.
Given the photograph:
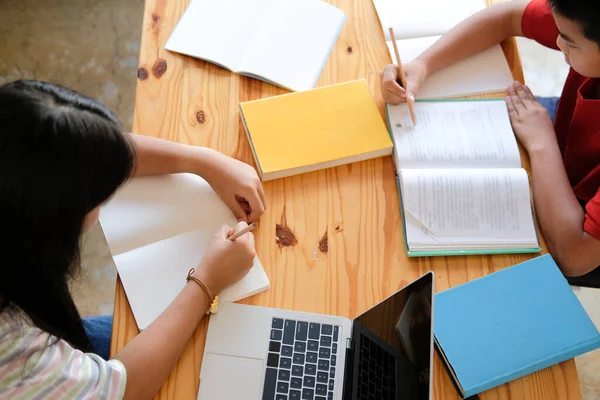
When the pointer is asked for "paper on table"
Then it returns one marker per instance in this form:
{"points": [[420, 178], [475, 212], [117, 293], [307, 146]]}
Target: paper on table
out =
{"points": [[300, 58], [454, 134], [484, 72], [201, 32], [414, 19], [158, 228], [150, 209], [284, 42], [153, 275]]}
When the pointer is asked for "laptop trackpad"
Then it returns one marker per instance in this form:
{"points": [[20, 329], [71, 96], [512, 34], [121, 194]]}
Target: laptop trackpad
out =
{"points": [[247, 373]]}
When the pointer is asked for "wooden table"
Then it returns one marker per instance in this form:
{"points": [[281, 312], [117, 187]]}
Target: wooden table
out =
{"points": [[330, 241]]}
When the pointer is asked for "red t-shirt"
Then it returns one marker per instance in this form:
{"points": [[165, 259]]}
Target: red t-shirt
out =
{"points": [[577, 123]]}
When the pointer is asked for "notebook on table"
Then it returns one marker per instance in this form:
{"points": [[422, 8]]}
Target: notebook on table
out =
{"points": [[283, 42], [157, 229], [461, 184], [416, 28], [316, 129], [509, 324]]}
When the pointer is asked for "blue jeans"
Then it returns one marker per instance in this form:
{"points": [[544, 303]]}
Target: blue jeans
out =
{"points": [[550, 104], [99, 330]]}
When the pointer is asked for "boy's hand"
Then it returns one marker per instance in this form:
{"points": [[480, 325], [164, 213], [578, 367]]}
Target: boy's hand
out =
{"points": [[530, 120], [392, 92]]}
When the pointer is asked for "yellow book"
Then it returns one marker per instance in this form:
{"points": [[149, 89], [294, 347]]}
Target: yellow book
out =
{"points": [[321, 128]]}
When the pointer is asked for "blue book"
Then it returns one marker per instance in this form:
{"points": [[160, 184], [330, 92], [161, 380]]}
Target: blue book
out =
{"points": [[509, 324]]}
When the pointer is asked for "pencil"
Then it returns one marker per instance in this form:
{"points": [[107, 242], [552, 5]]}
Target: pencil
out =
{"points": [[247, 229], [403, 77]]}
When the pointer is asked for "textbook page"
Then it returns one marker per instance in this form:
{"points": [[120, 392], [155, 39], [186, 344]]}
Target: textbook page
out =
{"points": [[414, 19], [218, 31], [454, 134], [287, 52], [468, 207], [485, 72]]}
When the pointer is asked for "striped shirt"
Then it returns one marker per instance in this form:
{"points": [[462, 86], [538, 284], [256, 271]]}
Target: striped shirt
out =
{"points": [[37, 365]]}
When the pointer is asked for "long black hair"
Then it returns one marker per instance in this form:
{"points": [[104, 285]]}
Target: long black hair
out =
{"points": [[62, 155]]}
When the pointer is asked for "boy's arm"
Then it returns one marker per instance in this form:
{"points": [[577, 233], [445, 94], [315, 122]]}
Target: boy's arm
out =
{"points": [[475, 34], [559, 214], [235, 182]]}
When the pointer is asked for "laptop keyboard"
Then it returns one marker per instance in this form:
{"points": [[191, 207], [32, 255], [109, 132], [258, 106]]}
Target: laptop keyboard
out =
{"points": [[302, 361], [377, 372]]}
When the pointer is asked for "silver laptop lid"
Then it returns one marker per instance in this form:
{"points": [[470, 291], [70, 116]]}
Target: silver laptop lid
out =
{"points": [[391, 353]]}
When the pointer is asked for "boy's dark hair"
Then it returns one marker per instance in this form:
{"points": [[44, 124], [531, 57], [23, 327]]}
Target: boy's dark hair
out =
{"points": [[585, 12]]}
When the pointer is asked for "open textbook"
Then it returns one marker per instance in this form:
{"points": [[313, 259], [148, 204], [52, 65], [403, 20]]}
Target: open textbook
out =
{"points": [[419, 24], [462, 187], [157, 229]]}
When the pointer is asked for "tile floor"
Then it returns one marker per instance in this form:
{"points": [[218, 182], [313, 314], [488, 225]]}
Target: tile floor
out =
{"points": [[93, 47]]}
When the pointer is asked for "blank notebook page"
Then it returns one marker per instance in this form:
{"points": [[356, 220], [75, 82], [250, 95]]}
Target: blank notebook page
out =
{"points": [[217, 30], [286, 51]]}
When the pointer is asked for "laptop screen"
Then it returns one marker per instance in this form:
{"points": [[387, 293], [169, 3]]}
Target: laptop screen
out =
{"points": [[393, 344]]}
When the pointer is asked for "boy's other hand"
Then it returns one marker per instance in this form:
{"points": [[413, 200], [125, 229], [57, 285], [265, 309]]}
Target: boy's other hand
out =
{"points": [[392, 92], [530, 120]]}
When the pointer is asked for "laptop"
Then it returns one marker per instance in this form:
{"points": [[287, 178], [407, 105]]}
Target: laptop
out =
{"points": [[259, 353]]}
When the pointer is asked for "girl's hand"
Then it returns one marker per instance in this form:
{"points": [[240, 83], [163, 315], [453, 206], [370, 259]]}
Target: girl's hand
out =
{"points": [[237, 184], [392, 92], [226, 261]]}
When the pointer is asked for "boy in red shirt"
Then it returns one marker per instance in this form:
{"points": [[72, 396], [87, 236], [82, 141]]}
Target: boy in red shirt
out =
{"points": [[565, 155]]}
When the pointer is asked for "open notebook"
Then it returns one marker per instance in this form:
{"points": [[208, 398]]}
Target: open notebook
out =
{"points": [[416, 28], [283, 42], [462, 187], [158, 228]]}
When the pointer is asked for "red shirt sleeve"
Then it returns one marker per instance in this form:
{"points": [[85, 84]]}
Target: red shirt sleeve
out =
{"points": [[592, 216], [538, 24]]}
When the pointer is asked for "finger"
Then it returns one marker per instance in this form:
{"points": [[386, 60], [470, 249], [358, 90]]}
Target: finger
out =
{"points": [[516, 101], [393, 97], [225, 231], [251, 240], [511, 108], [394, 88], [256, 205], [240, 226], [526, 95], [390, 81], [238, 210], [261, 194], [411, 89], [523, 94]]}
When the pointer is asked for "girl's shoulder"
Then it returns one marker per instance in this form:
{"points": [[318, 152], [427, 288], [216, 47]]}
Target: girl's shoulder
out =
{"points": [[32, 360]]}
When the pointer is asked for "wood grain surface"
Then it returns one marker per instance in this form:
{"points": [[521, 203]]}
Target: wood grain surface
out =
{"points": [[330, 241]]}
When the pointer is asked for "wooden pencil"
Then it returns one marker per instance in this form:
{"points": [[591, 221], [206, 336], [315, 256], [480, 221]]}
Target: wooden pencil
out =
{"points": [[247, 229], [411, 109]]}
